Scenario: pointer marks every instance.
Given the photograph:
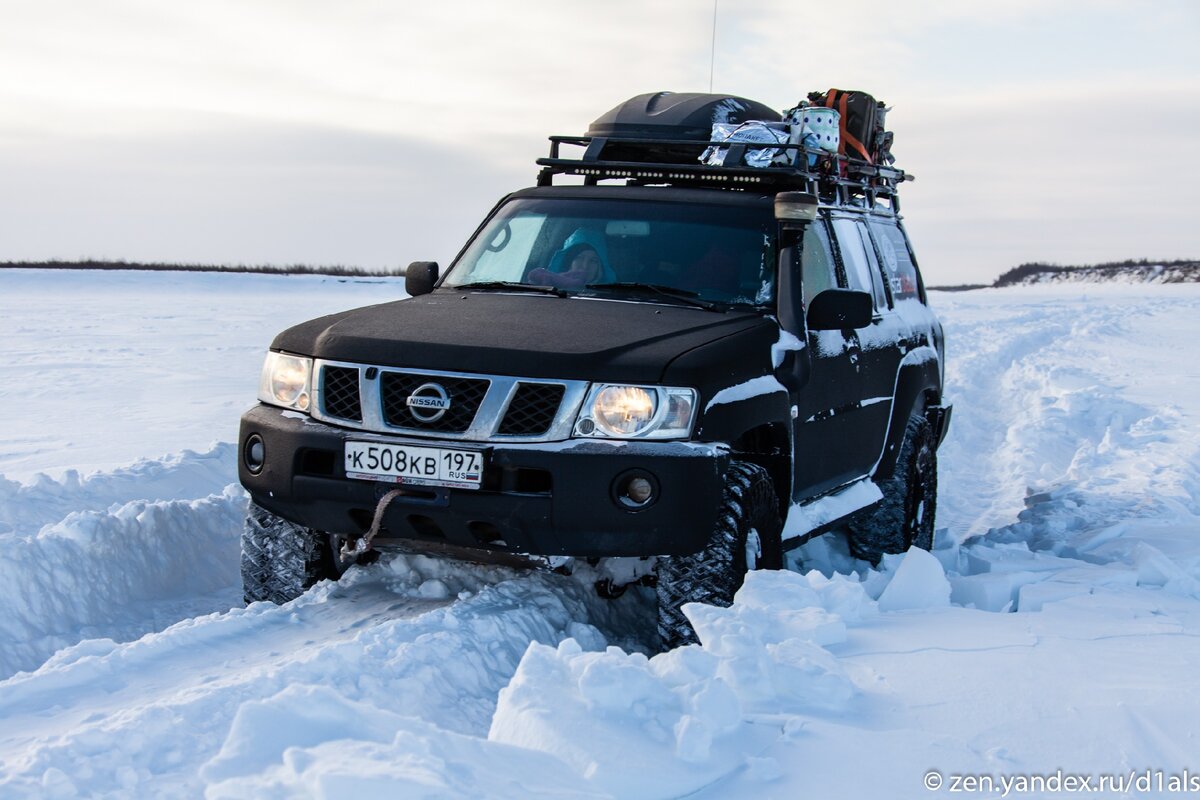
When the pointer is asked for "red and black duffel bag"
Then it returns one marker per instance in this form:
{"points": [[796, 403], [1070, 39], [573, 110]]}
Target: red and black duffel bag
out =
{"points": [[860, 121]]}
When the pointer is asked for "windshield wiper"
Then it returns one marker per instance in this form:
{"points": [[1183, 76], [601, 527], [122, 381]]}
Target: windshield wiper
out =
{"points": [[661, 290], [523, 287]]}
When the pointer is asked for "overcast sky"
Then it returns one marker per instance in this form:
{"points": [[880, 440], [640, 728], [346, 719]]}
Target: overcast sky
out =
{"points": [[374, 133]]}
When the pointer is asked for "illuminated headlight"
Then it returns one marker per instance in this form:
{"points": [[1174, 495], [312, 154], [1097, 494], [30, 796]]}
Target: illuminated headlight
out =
{"points": [[286, 381], [636, 412]]}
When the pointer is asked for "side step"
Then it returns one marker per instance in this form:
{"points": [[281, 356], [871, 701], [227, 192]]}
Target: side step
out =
{"points": [[814, 517]]}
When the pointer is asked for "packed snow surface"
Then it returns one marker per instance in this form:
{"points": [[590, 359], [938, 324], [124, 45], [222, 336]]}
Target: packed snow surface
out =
{"points": [[1054, 628]]}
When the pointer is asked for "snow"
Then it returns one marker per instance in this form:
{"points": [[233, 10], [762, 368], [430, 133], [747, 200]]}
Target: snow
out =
{"points": [[919, 582], [1056, 625], [755, 387], [787, 343], [806, 517]]}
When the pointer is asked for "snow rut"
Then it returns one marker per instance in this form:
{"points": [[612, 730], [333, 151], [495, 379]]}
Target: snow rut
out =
{"points": [[1092, 479], [1041, 401], [413, 637]]}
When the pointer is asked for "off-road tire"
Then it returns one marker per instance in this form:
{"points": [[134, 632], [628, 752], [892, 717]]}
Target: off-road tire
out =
{"points": [[714, 574], [906, 514], [281, 559]]}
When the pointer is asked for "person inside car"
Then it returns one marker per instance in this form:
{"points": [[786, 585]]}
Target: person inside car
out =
{"points": [[579, 262]]}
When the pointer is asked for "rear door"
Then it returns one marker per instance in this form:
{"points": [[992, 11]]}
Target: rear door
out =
{"points": [[876, 349]]}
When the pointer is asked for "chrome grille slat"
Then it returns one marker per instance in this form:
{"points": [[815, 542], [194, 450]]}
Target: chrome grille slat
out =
{"points": [[340, 393], [532, 409], [503, 398]]}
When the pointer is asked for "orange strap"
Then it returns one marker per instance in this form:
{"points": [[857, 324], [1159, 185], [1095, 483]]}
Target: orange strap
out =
{"points": [[848, 141]]}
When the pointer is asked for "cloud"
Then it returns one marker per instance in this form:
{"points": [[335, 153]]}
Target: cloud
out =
{"points": [[237, 193], [356, 114]]}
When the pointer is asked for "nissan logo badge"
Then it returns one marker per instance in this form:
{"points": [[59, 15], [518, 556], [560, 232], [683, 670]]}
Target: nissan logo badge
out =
{"points": [[429, 402]]}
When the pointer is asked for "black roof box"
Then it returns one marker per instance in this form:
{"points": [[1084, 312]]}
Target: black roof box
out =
{"points": [[686, 115], [670, 115]]}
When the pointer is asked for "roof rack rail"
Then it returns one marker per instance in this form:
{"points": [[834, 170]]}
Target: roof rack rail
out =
{"points": [[833, 178]]}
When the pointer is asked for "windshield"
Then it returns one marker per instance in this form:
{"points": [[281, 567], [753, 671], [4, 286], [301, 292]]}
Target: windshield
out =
{"points": [[716, 253]]}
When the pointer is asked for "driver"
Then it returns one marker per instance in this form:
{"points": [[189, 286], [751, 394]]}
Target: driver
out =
{"points": [[579, 262]]}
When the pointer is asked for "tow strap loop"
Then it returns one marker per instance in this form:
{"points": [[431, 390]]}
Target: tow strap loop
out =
{"points": [[364, 544]]}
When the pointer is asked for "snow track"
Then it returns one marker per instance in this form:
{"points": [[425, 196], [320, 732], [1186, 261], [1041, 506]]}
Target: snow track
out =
{"points": [[421, 655], [1056, 626]]}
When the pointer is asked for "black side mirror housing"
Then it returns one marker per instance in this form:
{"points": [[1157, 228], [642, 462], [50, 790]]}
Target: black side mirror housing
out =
{"points": [[420, 277], [840, 309]]}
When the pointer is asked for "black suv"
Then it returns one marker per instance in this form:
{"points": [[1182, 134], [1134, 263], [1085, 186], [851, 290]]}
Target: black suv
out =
{"points": [[677, 369]]}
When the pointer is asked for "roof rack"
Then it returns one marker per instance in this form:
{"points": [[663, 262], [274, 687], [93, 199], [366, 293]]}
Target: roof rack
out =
{"points": [[676, 162]]}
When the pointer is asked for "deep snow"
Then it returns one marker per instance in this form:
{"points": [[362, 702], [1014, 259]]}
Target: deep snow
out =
{"points": [[1054, 628]]}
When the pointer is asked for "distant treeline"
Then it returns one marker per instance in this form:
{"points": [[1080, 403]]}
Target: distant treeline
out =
{"points": [[268, 269], [1140, 270], [1176, 271]]}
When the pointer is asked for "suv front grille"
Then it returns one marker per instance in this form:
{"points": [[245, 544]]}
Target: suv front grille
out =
{"points": [[532, 410], [465, 396], [481, 408], [339, 393]]}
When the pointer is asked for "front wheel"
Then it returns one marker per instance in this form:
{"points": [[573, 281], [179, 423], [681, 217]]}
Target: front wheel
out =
{"points": [[281, 559], [905, 516], [746, 536]]}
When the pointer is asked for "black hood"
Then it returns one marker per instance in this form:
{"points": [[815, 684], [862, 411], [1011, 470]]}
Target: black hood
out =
{"points": [[524, 335]]}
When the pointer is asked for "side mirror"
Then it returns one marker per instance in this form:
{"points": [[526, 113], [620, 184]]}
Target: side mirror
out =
{"points": [[420, 277], [839, 309]]}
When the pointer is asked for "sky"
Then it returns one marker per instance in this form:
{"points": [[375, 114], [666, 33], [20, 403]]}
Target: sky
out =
{"points": [[373, 133]]}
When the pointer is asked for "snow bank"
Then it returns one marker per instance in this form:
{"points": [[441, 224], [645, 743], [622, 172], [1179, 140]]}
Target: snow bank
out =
{"points": [[25, 508], [672, 724], [90, 574], [310, 741]]}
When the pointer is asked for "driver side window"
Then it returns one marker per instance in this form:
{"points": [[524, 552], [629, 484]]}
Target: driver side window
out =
{"points": [[816, 262]]}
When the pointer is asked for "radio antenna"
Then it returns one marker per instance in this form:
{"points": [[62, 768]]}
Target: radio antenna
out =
{"points": [[712, 56]]}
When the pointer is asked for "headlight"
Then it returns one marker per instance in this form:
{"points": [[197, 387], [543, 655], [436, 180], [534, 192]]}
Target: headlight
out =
{"points": [[636, 412], [286, 381]]}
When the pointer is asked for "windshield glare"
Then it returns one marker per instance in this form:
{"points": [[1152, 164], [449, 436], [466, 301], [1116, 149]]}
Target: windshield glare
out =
{"points": [[722, 254]]}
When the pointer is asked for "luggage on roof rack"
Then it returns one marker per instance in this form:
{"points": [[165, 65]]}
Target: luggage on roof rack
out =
{"points": [[863, 136], [660, 138], [672, 116]]}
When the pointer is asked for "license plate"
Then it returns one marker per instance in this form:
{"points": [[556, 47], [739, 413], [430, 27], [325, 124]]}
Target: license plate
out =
{"points": [[420, 466]]}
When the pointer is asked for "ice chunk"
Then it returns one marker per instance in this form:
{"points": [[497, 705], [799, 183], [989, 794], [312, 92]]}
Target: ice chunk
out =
{"points": [[919, 582], [299, 716], [1013, 557], [990, 591]]}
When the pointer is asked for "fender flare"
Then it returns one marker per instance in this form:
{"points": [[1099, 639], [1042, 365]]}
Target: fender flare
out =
{"points": [[918, 386]]}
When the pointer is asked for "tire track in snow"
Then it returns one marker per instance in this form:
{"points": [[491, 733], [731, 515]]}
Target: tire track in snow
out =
{"points": [[1040, 401], [415, 636], [979, 486], [1100, 463]]}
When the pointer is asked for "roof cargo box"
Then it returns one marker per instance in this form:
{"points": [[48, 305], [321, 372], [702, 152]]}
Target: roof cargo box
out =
{"points": [[667, 115]]}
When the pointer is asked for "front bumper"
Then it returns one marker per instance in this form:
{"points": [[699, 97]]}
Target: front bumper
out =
{"points": [[548, 499]]}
